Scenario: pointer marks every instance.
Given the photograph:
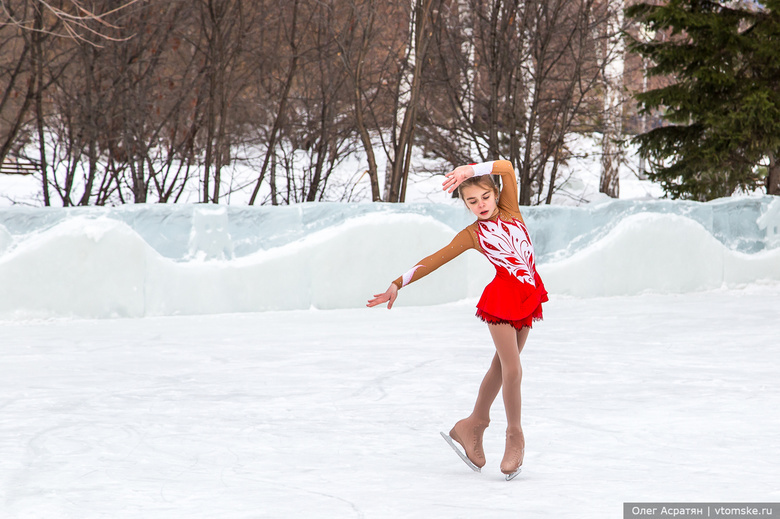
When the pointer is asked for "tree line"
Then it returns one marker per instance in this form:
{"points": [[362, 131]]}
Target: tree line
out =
{"points": [[144, 100]]}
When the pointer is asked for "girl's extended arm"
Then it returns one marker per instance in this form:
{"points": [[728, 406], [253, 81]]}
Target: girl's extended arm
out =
{"points": [[388, 297], [460, 243], [463, 240]]}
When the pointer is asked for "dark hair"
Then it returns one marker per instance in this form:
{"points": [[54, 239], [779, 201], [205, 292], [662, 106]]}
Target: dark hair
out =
{"points": [[483, 181]]}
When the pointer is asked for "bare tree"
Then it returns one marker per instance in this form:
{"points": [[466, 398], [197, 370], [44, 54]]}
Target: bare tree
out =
{"points": [[142, 99], [19, 80], [528, 83], [24, 26], [423, 18], [155, 116], [355, 39], [70, 19], [223, 26], [287, 37], [612, 54], [321, 127]]}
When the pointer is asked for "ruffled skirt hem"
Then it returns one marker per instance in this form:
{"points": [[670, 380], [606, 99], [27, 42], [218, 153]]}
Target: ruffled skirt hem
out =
{"points": [[518, 324]]}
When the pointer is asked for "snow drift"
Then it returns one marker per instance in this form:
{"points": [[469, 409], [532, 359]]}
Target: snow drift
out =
{"points": [[167, 260], [660, 253]]}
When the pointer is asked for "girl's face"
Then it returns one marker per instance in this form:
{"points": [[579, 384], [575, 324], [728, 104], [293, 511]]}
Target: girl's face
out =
{"points": [[480, 201]]}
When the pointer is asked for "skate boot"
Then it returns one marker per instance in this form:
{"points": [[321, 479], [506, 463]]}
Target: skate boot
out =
{"points": [[513, 453], [468, 433]]}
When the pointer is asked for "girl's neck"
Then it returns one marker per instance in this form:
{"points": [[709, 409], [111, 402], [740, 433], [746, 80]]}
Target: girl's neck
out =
{"points": [[493, 216]]}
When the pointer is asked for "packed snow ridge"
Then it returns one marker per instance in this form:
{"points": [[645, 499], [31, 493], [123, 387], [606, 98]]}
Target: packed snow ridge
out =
{"points": [[146, 260]]}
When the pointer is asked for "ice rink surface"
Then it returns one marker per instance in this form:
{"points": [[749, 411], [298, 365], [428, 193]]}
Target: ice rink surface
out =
{"points": [[337, 413]]}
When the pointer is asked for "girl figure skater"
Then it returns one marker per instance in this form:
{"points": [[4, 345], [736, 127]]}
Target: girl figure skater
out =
{"points": [[509, 304]]}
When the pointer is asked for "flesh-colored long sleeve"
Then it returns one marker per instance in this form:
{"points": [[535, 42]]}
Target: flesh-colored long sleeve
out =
{"points": [[508, 198], [461, 243], [507, 201]]}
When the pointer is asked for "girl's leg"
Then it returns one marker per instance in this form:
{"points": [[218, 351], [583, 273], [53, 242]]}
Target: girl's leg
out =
{"points": [[491, 384], [522, 336], [469, 431], [488, 390], [509, 343], [508, 352]]}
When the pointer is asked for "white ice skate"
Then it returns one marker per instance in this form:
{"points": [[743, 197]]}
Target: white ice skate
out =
{"points": [[460, 453], [513, 475]]}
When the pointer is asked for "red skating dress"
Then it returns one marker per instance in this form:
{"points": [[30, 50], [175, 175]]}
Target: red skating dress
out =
{"points": [[516, 294]]}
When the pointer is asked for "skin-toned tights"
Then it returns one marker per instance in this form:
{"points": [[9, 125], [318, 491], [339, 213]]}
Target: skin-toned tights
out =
{"points": [[505, 371]]}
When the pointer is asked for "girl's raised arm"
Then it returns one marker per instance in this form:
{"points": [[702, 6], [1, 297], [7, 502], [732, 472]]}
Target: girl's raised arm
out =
{"points": [[508, 199], [457, 176]]}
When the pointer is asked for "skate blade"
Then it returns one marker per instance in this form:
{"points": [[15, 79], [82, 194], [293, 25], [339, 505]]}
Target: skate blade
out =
{"points": [[513, 475], [461, 454]]}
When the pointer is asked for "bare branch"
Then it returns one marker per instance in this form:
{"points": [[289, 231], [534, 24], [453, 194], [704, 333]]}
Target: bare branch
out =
{"points": [[70, 22]]}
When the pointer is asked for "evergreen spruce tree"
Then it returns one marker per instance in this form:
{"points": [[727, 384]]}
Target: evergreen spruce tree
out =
{"points": [[722, 108]]}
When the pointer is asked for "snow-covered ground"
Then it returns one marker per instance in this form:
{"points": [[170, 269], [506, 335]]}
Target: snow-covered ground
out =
{"points": [[337, 413]]}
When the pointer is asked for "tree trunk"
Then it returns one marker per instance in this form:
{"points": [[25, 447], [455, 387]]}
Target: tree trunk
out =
{"points": [[493, 152], [272, 181], [532, 111], [282, 104], [37, 50], [356, 76], [21, 114], [773, 176], [611, 156], [91, 100], [404, 141], [210, 124], [321, 150]]}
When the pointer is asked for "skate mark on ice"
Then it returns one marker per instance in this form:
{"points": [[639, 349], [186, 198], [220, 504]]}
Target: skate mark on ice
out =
{"points": [[378, 382], [287, 487]]}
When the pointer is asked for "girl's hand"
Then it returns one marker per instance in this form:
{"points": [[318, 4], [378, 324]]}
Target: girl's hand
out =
{"points": [[388, 297], [456, 176]]}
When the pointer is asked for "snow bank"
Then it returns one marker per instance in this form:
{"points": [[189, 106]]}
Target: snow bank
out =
{"points": [[338, 267], [81, 267], [101, 267], [5, 239], [167, 260], [659, 253]]}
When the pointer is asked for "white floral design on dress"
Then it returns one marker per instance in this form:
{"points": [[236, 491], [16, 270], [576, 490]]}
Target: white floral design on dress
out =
{"points": [[507, 244]]}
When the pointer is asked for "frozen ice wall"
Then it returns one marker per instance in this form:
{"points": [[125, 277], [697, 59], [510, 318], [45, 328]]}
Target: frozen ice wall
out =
{"points": [[196, 259]]}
